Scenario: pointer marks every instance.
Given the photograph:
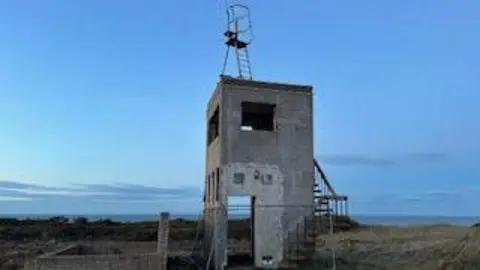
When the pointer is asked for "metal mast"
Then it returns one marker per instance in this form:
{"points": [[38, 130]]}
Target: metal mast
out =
{"points": [[238, 36]]}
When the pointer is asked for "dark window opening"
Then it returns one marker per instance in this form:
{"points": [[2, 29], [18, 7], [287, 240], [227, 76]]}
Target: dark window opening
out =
{"points": [[213, 126], [258, 116], [209, 189], [217, 191], [267, 179], [214, 188], [238, 178], [205, 190]]}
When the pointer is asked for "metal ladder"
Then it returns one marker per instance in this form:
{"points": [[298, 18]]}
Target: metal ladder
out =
{"points": [[243, 63], [238, 36]]}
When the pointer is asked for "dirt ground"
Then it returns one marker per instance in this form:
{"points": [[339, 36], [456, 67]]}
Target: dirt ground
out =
{"points": [[388, 248], [412, 248]]}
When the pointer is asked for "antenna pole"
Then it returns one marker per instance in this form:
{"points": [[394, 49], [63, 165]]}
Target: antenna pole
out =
{"points": [[225, 60]]}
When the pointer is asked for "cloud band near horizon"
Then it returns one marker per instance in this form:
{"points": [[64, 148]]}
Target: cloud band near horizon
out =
{"points": [[119, 191]]}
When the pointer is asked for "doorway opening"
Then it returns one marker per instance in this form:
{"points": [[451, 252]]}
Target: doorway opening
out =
{"points": [[241, 230]]}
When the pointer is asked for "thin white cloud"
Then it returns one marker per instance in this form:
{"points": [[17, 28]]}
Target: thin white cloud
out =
{"points": [[9, 198], [118, 191], [459, 201], [376, 161]]}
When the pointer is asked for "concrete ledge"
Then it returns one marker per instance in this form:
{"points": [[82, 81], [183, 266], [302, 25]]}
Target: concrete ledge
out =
{"points": [[227, 80]]}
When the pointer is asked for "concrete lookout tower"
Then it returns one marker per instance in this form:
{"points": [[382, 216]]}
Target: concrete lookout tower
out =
{"points": [[259, 144]]}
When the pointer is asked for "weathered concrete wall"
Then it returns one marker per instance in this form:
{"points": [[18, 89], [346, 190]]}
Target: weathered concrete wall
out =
{"points": [[152, 261], [289, 149], [213, 151], [265, 182], [289, 146]]}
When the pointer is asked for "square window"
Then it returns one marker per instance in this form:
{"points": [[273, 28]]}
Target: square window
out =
{"points": [[217, 185], [267, 179], [213, 126], [258, 116], [238, 178]]}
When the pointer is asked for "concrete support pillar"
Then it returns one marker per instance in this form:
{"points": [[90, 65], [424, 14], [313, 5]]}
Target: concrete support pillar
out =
{"points": [[162, 242], [346, 207], [221, 236]]}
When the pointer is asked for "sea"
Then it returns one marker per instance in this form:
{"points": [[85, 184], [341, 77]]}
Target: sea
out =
{"points": [[398, 220]]}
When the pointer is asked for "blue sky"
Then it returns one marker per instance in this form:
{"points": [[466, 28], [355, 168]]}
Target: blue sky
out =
{"points": [[102, 102]]}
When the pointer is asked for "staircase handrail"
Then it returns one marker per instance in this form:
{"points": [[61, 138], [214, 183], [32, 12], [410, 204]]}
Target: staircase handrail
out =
{"points": [[324, 177]]}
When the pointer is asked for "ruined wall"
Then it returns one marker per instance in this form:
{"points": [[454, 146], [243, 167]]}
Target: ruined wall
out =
{"points": [[135, 247], [64, 260], [152, 261]]}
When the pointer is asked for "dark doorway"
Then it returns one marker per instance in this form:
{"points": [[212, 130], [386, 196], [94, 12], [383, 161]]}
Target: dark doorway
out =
{"points": [[252, 227], [241, 224]]}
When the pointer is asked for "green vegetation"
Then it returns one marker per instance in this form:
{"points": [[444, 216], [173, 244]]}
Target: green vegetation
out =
{"points": [[62, 229]]}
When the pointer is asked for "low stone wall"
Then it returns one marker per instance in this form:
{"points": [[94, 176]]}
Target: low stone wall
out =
{"points": [[148, 261], [103, 247], [72, 249], [66, 259]]}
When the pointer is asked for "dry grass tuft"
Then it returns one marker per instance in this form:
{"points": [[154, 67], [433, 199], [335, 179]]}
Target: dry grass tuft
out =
{"points": [[439, 247]]}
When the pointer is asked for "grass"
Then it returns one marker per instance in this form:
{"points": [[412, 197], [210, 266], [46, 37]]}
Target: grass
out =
{"points": [[439, 247]]}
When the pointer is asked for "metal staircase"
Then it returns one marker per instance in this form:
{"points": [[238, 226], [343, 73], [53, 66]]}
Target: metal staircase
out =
{"points": [[326, 200], [302, 239]]}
